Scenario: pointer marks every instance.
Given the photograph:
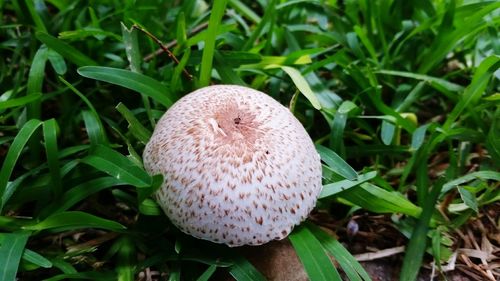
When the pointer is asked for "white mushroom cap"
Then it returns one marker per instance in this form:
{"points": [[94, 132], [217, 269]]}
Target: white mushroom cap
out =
{"points": [[238, 167]]}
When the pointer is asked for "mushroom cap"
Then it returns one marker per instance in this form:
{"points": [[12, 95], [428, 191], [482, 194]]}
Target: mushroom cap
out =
{"points": [[238, 167]]}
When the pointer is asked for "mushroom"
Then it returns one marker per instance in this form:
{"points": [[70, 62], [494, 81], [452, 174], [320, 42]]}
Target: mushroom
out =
{"points": [[238, 167]]}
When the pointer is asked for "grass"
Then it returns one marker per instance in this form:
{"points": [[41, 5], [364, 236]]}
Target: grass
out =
{"points": [[400, 98]]}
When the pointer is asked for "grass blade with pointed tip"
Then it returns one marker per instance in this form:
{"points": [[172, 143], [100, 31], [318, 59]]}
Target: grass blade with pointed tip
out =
{"points": [[135, 81]]}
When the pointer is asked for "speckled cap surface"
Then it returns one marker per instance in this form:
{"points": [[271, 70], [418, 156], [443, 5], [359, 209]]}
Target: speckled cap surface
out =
{"points": [[238, 167]]}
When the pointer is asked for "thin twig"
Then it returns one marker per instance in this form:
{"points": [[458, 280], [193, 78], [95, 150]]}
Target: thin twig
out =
{"points": [[380, 254], [164, 48], [172, 43]]}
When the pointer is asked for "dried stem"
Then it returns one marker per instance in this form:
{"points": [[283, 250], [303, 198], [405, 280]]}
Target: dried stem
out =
{"points": [[164, 48]]}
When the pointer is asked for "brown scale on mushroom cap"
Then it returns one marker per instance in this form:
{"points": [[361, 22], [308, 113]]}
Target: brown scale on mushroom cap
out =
{"points": [[238, 167]]}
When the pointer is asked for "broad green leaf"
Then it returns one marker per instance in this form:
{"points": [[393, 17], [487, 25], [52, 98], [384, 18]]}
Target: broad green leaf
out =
{"points": [[131, 80]]}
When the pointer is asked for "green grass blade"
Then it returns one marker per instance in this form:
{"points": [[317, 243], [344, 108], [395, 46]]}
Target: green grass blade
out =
{"points": [[75, 220], [13, 154], [51, 151], [349, 264], [245, 10], [126, 261], [35, 80], [90, 275], [301, 84], [336, 163], [418, 241], [35, 16], [136, 128], [65, 50], [18, 102], [131, 80], [243, 270], [475, 89], [334, 188], [376, 199], [37, 259], [439, 83], [418, 137], [115, 164], [94, 128], [312, 255], [207, 274], [217, 12], [57, 62], [11, 250], [482, 175], [82, 191]]}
